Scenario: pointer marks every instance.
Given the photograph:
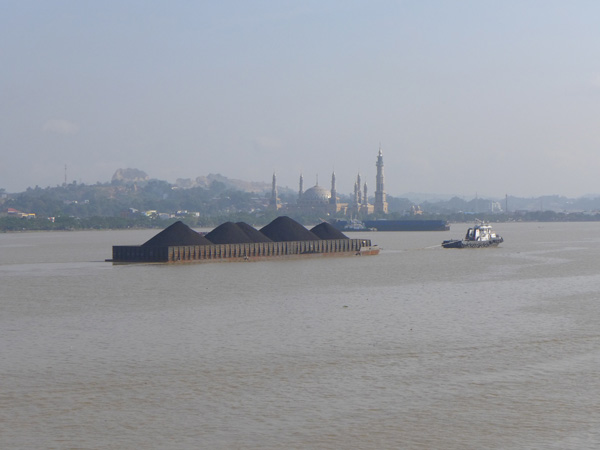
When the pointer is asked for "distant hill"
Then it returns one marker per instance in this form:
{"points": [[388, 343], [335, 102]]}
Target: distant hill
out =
{"points": [[212, 195], [420, 197], [239, 185]]}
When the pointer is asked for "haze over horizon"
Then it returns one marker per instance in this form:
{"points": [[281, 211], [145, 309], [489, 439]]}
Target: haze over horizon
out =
{"points": [[465, 97]]}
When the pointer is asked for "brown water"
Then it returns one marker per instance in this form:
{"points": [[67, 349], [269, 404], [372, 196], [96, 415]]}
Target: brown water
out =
{"points": [[417, 348]]}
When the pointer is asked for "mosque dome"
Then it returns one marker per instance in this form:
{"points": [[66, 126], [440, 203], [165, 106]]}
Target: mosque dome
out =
{"points": [[316, 195]]}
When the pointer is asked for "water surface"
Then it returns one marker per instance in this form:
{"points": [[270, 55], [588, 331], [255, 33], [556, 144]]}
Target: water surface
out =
{"points": [[417, 348]]}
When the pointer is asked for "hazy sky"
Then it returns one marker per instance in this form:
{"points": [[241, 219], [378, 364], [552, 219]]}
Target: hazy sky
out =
{"points": [[465, 97]]}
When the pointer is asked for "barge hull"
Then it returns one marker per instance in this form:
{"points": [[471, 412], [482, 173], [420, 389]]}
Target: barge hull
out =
{"points": [[241, 252]]}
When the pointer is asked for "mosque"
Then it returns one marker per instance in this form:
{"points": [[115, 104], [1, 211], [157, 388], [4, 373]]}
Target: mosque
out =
{"points": [[324, 201]]}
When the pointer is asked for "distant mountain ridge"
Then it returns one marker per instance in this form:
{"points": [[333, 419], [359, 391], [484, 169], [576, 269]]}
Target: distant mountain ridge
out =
{"points": [[240, 185], [436, 203], [132, 175]]}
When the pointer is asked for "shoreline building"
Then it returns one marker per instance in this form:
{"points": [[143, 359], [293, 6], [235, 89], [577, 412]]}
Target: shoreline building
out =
{"points": [[319, 199], [326, 201], [274, 200], [381, 205], [360, 202]]}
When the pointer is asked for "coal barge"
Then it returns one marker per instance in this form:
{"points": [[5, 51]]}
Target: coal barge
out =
{"points": [[282, 238]]}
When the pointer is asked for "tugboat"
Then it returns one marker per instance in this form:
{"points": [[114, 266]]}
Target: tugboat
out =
{"points": [[481, 235]]}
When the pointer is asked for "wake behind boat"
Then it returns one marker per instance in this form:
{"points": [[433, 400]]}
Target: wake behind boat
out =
{"points": [[480, 235]]}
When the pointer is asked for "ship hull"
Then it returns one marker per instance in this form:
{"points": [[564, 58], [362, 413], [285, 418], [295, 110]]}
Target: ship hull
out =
{"points": [[457, 243], [242, 252], [393, 225]]}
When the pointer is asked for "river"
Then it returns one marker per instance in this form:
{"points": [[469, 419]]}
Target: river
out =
{"points": [[417, 348]]}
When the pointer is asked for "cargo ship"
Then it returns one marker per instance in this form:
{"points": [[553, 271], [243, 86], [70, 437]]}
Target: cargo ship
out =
{"points": [[282, 238], [391, 225]]}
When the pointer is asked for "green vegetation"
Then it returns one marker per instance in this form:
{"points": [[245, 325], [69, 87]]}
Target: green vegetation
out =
{"points": [[157, 204], [119, 205]]}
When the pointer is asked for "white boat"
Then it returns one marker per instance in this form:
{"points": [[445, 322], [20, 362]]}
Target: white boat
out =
{"points": [[481, 235]]}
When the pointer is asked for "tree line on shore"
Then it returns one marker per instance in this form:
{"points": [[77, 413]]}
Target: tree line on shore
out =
{"points": [[70, 223], [121, 205]]}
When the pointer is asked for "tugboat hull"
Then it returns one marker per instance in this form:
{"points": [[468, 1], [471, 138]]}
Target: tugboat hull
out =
{"points": [[457, 243]]}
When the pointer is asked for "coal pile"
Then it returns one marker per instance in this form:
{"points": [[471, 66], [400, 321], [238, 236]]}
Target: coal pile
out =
{"points": [[327, 231], [175, 235], [253, 233], [227, 233], [233, 233], [285, 229]]}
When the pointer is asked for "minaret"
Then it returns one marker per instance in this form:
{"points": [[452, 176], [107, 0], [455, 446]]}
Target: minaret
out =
{"points": [[273, 202], [365, 198], [359, 197], [380, 205], [333, 199], [301, 188]]}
